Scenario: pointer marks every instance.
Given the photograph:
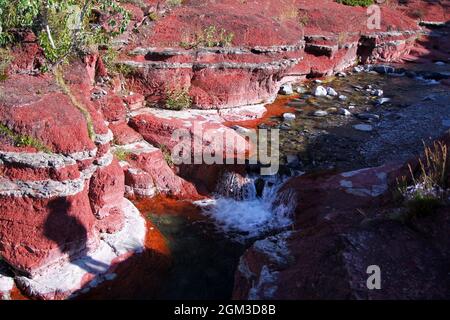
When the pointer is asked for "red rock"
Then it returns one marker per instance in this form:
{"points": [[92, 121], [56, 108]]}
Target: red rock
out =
{"points": [[27, 57], [106, 190], [37, 232], [134, 101], [112, 223], [100, 68], [123, 134], [112, 107], [207, 128], [48, 116], [139, 183], [280, 49], [151, 160], [343, 224]]}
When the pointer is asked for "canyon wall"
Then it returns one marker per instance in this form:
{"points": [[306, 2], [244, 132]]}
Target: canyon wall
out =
{"points": [[74, 142]]}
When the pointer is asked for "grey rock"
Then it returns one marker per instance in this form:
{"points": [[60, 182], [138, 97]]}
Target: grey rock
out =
{"points": [[383, 69], [358, 69], [286, 89], [331, 92], [368, 116], [289, 116], [383, 101], [363, 127], [292, 159], [344, 112], [320, 113], [320, 91], [300, 90]]}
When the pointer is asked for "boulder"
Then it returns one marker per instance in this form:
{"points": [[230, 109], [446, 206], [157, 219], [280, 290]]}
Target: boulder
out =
{"points": [[343, 231]]}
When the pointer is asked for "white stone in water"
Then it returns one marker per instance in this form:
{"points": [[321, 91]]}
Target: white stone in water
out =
{"points": [[320, 91], [286, 89], [351, 107], [320, 113], [331, 92], [358, 69], [440, 63], [318, 81], [342, 97], [344, 112], [341, 74], [363, 127], [288, 116], [383, 100], [377, 92], [300, 90]]}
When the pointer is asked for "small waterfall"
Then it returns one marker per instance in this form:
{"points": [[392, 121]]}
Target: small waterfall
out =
{"points": [[247, 207]]}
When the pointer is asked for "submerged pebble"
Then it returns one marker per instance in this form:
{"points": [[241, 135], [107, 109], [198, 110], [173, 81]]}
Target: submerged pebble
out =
{"points": [[320, 113], [363, 127], [344, 112], [289, 116]]}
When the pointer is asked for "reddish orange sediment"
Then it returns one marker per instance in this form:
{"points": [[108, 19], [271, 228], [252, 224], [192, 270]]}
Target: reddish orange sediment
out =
{"points": [[16, 294], [164, 205], [275, 109], [140, 275]]}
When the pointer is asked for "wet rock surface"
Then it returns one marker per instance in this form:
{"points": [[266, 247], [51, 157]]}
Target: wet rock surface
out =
{"points": [[332, 134]]}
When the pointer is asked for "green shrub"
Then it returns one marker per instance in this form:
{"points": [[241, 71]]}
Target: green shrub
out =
{"points": [[210, 37], [355, 3], [174, 3], [62, 29], [423, 205], [5, 60], [427, 188], [178, 99], [17, 14], [433, 168]]}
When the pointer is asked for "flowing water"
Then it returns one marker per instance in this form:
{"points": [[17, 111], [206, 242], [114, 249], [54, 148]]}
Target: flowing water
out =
{"points": [[195, 247]]}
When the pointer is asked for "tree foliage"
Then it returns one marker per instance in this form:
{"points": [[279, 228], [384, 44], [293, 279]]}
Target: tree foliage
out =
{"points": [[62, 26]]}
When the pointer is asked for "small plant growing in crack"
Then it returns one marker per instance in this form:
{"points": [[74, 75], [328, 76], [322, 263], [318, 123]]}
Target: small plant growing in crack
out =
{"points": [[178, 99], [209, 37], [427, 186], [23, 140], [121, 154], [167, 154]]}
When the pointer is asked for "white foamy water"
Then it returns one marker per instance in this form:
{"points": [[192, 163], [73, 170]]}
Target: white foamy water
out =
{"points": [[251, 217]]}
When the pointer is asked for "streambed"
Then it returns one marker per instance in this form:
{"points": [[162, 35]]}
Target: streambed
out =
{"points": [[204, 241]]}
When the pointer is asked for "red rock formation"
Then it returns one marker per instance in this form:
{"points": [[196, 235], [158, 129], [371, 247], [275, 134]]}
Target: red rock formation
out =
{"points": [[273, 43], [343, 225], [60, 186], [61, 191]]}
